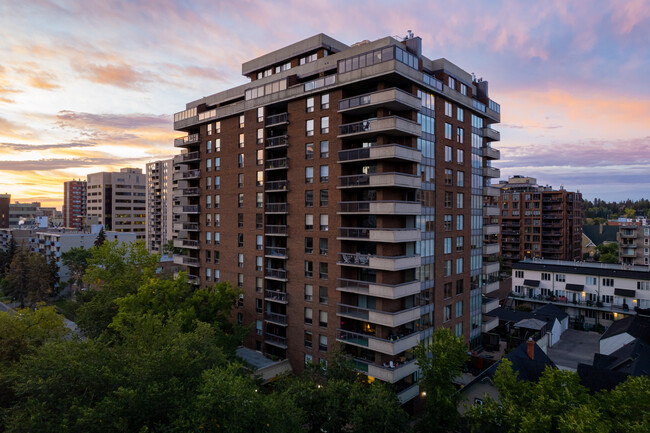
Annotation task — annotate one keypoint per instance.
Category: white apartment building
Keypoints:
(593, 292)
(159, 204)
(118, 201)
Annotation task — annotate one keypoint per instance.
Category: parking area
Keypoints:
(575, 347)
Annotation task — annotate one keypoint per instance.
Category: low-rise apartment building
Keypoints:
(634, 244)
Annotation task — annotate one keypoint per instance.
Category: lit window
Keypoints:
(310, 104)
(309, 127)
(325, 101)
(324, 125)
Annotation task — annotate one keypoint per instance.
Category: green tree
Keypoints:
(441, 363)
(101, 237)
(17, 277)
(39, 279)
(53, 274)
(169, 248)
(629, 212)
(76, 259)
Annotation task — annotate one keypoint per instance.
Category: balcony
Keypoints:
(275, 340)
(275, 274)
(386, 207)
(491, 153)
(409, 393)
(275, 230)
(392, 125)
(276, 185)
(186, 141)
(377, 180)
(276, 164)
(392, 346)
(190, 157)
(490, 267)
(186, 243)
(491, 191)
(387, 151)
(487, 288)
(385, 263)
(489, 304)
(491, 134)
(279, 141)
(392, 99)
(278, 319)
(489, 210)
(491, 229)
(384, 318)
(491, 172)
(193, 279)
(489, 323)
(188, 209)
(276, 296)
(187, 261)
(380, 290)
(188, 192)
(187, 175)
(628, 234)
(276, 252)
(387, 373)
(192, 227)
(277, 119)
(628, 252)
(490, 249)
(391, 235)
(279, 208)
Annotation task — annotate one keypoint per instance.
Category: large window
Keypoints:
(309, 127)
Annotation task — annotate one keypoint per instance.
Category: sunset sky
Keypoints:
(92, 85)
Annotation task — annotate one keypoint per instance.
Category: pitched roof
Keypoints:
(545, 313)
(549, 311)
(608, 371)
(593, 233)
(636, 326)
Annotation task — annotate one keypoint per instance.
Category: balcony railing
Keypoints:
(190, 139)
(281, 140)
(190, 174)
(276, 273)
(275, 164)
(274, 295)
(276, 207)
(280, 319)
(276, 251)
(391, 179)
(276, 185)
(276, 340)
(354, 232)
(275, 229)
(191, 156)
(277, 119)
(191, 191)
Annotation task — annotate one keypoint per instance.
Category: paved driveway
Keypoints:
(575, 347)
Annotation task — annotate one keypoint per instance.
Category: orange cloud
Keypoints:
(115, 75)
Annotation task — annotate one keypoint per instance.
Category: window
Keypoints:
(259, 200)
(448, 109)
(459, 287)
(447, 249)
(208, 274)
(324, 197)
(260, 114)
(460, 114)
(560, 278)
(309, 222)
(460, 135)
(325, 101)
(459, 265)
(310, 104)
(208, 238)
(209, 128)
(447, 313)
(460, 220)
(217, 145)
(217, 220)
(546, 276)
(259, 242)
(324, 125)
(240, 180)
(447, 272)
(324, 222)
(324, 173)
(322, 342)
(322, 295)
(208, 258)
(322, 319)
(308, 358)
(309, 151)
(260, 136)
(240, 260)
(519, 274)
(260, 157)
(460, 156)
(309, 269)
(259, 178)
(259, 263)
(459, 329)
(447, 219)
(217, 164)
(308, 339)
(448, 130)
(463, 89)
(208, 146)
(452, 83)
(217, 127)
(608, 282)
(240, 200)
(241, 121)
(448, 199)
(240, 160)
(258, 309)
(240, 240)
(460, 178)
(217, 274)
(208, 219)
(324, 149)
(309, 292)
(459, 308)
(309, 245)
(449, 175)
(308, 316)
(240, 220)
(217, 201)
(208, 183)
(208, 202)
(241, 141)
(323, 270)
(259, 221)
(323, 247)
(447, 290)
(309, 127)
(309, 198)
(460, 243)
(208, 165)
(448, 154)
(217, 238)
(309, 174)
(460, 200)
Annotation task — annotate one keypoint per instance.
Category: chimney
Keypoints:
(530, 348)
